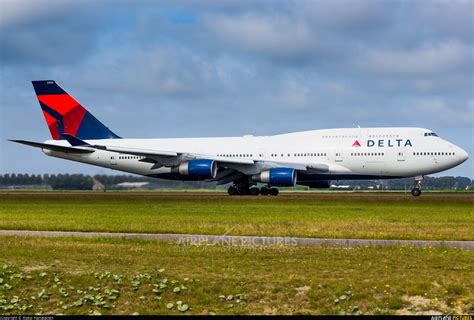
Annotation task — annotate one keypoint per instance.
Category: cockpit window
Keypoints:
(430, 134)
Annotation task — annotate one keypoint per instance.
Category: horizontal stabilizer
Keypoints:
(53, 147)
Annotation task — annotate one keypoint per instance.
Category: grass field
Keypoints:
(118, 276)
(332, 215)
(113, 276)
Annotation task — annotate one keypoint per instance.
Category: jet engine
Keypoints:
(197, 169)
(277, 177)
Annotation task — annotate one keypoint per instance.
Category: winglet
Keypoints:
(74, 141)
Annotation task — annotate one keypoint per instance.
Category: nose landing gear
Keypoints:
(416, 191)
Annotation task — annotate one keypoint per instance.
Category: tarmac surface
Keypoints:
(190, 239)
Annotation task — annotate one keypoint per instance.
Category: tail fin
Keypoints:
(65, 115)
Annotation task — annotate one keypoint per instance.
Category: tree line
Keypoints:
(85, 182)
(429, 183)
(55, 181)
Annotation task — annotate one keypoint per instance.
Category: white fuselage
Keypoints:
(352, 153)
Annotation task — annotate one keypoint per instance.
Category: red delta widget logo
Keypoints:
(385, 143)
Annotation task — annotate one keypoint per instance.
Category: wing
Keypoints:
(159, 157)
(230, 169)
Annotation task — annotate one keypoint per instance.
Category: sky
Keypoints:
(151, 69)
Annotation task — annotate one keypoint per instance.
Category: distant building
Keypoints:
(133, 185)
(97, 185)
(341, 187)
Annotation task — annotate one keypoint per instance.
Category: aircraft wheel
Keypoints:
(264, 191)
(254, 191)
(273, 191)
(232, 191)
(416, 192)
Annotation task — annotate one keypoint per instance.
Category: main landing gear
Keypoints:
(253, 191)
(245, 187)
(269, 191)
(416, 191)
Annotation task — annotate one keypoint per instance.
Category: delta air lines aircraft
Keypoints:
(309, 158)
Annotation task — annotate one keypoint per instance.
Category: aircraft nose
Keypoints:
(462, 155)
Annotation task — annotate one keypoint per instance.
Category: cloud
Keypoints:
(20, 12)
(349, 16)
(161, 71)
(50, 32)
(425, 60)
(447, 19)
(210, 68)
(304, 32)
(273, 36)
(461, 113)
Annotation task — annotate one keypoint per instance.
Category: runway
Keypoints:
(197, 240)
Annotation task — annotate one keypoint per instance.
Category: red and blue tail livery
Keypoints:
(64, 115)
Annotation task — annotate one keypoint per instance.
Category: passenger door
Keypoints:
(401, 155)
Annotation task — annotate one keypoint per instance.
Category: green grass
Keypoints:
(78, 276)
(356, 215)
(116, 276)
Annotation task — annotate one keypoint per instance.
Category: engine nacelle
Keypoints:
(197, 169)
(278, 177)
(316, 184)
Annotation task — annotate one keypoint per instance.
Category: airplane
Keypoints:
(308, 158)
